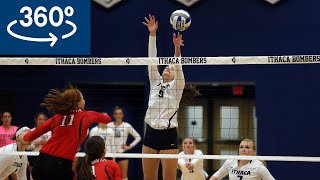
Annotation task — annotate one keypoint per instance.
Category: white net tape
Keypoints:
(301, 59)
(176, 156)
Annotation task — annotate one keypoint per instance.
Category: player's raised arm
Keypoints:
(178, 42)
(152, 26)
(39, 131)
(99, 117)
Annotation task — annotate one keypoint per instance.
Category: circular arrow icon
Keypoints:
(74, 30)
(39, 14)
(53, 39)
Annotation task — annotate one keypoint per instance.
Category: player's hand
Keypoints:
(43, 141)
(189, 166)
(126, 148)
(177, 40)
(152, 24)
(21, 135)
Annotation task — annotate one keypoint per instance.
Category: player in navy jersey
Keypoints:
(69, 128)
(166, 90)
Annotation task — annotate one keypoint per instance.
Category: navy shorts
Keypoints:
(47, 167)
(161, 139)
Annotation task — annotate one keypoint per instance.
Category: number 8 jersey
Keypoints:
(254, 170)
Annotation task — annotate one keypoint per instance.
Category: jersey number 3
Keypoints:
(63, 123)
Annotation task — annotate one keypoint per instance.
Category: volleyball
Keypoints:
(180, 20)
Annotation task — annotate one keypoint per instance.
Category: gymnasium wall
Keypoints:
(287, 96)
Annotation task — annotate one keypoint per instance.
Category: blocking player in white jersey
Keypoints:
(107, 134)
(191, 168)
(37, 144)
(121, 131)
(161, 135)
(14, 164)
(244, 169)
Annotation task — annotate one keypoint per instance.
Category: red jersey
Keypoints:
(100, 167)
(65, 140)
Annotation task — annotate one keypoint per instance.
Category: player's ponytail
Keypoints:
(189, 93)
(95, 148)
(84, 170)
(64, 102)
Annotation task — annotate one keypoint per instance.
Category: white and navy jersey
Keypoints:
(12, 163)
(107, 134)
(121, 134)
(197, 173)
(254, 170)
(35, 145)
(164, 98)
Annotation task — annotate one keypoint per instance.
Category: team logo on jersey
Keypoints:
(15, 164)
(163, 86)
(240, 172)
(118, 133)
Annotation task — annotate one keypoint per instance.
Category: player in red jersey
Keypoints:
(93, 166)
(69, 128)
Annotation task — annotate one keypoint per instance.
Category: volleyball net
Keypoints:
(218, 117)
(64, 61)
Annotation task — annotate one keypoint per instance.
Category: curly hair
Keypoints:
(62, 102)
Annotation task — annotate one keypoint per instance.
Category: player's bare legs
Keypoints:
(124, 168)
(169, 166)
(150, 166)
